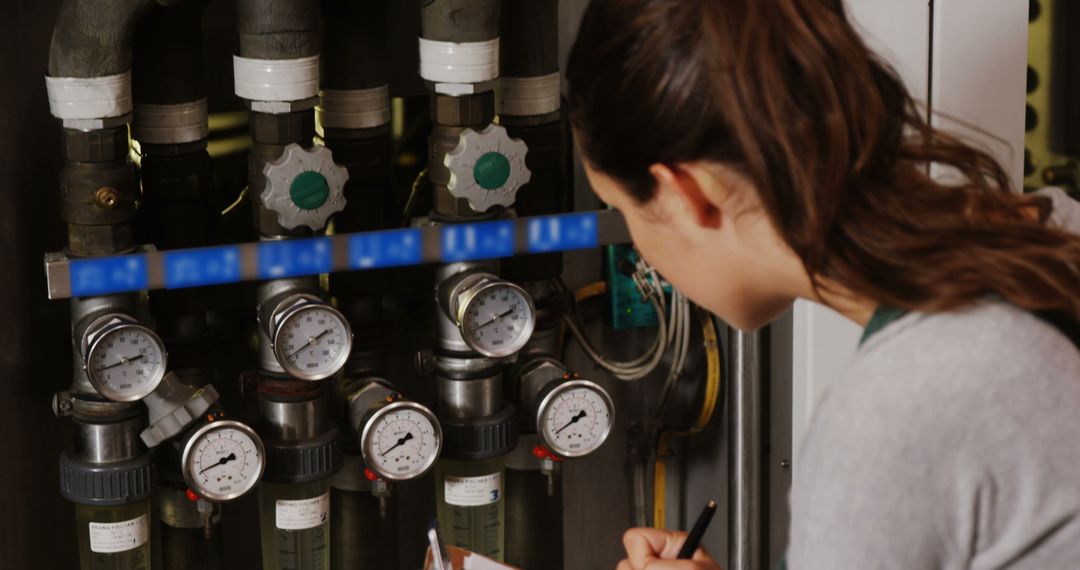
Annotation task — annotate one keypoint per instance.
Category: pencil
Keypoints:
(693, 540)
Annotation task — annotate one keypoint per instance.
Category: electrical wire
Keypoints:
(713, 383)
(237, 202)
(411, 202)
(651, 288)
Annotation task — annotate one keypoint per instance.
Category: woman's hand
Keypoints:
(654, 549)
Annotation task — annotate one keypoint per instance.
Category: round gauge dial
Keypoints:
(496, 319)
(312, 341)
(575, 418)
(401, 441)
(125, 361)
(223, 460)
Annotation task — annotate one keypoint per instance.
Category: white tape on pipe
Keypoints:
(276, 79)
(89, 97)
(449, 62)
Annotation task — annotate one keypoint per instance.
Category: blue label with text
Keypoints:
(484, 240)
(199, 267)
(294, 257)
(562, 233)
(108, 275)
(385, 249)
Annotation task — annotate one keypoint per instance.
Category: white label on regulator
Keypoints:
(107, 538)
(302, 514)
(473, 491)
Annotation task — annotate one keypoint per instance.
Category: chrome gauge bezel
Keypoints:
(549, 399)
(187, 463)
(294, 307)
(382, 412)
(93, 342)
(473, 292)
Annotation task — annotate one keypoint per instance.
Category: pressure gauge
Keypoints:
(495, 317)
(311, 339)
(401, 441)
(574, 418)
(124, 360)
(223, 460)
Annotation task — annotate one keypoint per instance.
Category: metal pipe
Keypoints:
(272, 29)
(744, 449)
(472, 398)
(459, 21)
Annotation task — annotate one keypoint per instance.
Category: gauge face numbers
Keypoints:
(223, 460)
(126, 362)
(576, 418)
(313, 342)
(497, 320)
(402, 442)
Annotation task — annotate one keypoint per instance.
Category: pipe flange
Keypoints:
(354, 108)
(170, 124)
(304, 187)
(304, 460)
(479, 438)
(530, 96)
(110, 484)
(487, 168)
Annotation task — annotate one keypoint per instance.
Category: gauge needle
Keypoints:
(123, 360)
(310, 342)
(399, 443)
(220, 462)
(495, 318)
(580, 415)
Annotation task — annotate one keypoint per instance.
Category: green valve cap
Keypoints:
(492, 171)
(309, 190)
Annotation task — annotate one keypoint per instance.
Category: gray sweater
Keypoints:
(953, 442)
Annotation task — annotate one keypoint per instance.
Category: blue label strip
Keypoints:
(108, 275)
(293, 258)
(201, 267)
(371, 250)
(563, 233)
(385, 249)
(484, 240)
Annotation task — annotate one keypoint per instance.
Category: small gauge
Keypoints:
(125, 361)
(495, 317)
(312, 340)
(401, 441)
(575, 418)
(223, 460)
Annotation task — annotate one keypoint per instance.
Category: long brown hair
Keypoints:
(787, 93)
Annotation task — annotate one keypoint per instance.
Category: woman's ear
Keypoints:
(688, 188)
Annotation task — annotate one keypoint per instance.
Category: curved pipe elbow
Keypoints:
(92, 38)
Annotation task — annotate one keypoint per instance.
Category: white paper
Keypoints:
(302, 514)
(107, 538)
(477, 562)
(473, 491)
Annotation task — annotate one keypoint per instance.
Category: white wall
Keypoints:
(973, 68)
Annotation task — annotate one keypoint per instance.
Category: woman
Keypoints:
(761, 153)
